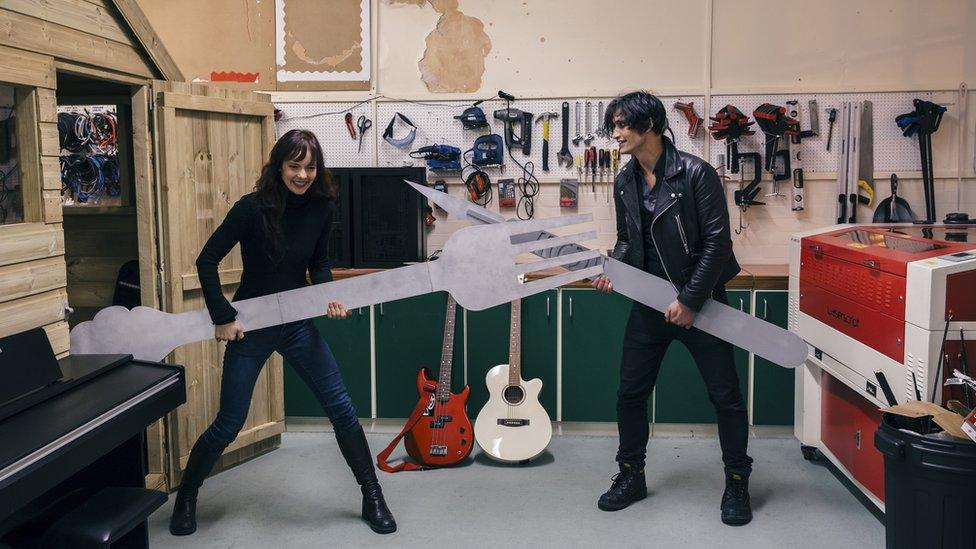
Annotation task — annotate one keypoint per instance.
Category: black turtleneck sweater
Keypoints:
(306, 224)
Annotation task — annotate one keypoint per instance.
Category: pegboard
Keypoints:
(892, 151)
(327, 122)
(436, 125)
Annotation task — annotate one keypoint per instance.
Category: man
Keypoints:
(672, 222)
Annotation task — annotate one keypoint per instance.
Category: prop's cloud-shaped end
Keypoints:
(117, 330)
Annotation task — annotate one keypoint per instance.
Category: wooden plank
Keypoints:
(91, 294)
(58, 335)
(215, 104)
(50, 173)
(31, 312)
(31, 278)
(36, 35)
(47, 105)
(50, 142)
(102, 243)
(227, 277)
(75, 14)
(93, 269)
(28, 139)
(276, 389)
(144, 197)
(26, 68)
(29, 241)
(81, 69)
(156, 452)
(248, 437)
(140, 26)
(52, 207)
(156, 481)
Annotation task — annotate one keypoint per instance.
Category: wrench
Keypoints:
(589, 135)
(600, 132)
(564, 157)
(577, 138)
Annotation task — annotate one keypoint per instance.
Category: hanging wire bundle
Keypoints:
(89, 170)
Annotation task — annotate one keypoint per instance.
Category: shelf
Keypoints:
(98, 210)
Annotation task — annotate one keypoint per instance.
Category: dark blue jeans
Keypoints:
(646, 339)
(304, 349)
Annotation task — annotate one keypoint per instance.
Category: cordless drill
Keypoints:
(511, 117)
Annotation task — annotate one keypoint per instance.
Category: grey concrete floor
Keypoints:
(302, 495)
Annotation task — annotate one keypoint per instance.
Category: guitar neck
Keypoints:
(447, 351)
(515, 344)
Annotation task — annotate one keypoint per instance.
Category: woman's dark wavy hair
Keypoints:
(641, 111)
(270, 188)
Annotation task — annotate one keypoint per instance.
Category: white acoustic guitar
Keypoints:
(513, 426)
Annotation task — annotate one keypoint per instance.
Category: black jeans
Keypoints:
(645, 341)
(302, 346)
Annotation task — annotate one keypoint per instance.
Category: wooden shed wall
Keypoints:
(36, 39)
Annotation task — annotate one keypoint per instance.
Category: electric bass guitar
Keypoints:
(442, 436)
(513, 426)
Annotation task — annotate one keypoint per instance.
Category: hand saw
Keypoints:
(757, 336)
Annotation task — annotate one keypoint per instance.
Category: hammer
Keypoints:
(544, 117)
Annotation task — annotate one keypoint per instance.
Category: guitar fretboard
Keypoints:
(515, 344)
(447, 351)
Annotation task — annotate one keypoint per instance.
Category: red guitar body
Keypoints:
(443, 436)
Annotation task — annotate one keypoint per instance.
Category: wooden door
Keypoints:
(210, 145)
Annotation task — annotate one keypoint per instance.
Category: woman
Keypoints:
(283, 228)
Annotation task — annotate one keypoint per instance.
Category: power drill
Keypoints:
(511, 117)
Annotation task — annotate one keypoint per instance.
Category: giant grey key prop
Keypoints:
(477, 266)
(757, 336)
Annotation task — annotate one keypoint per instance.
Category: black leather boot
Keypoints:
(628, 486)
(201, 461)
(356, 451)
(736, 507)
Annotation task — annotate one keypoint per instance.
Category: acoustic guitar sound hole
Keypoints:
(514, 394)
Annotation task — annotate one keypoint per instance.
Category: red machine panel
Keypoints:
(888, 248)
(855, 281)
(847, 427)
(883, 333)
(961, 296)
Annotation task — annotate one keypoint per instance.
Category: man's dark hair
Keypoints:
(640, 110)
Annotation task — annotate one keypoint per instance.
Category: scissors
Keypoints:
(363, 124)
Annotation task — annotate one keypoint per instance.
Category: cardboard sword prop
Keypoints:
(757, 336)
(477, 266)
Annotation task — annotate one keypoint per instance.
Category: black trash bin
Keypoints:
(930, 486)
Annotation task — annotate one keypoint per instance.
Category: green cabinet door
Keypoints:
(487, 346)
(773, 388)
(349, 340)
(592, 333)
(409, 335)
(680, 395)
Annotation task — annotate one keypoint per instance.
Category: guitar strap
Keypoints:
(418, 412)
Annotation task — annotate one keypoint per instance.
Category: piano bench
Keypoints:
(103, 518)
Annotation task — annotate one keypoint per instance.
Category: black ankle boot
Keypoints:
(201, 461)
(184, 519)
(356, 451)
(628, 486)
(736, 507)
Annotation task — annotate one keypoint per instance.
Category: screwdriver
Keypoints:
(591, 153)
(831, 117)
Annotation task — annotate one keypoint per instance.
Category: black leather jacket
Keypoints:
(690, 227)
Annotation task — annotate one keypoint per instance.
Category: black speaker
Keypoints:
(382, 217)
(340, 242)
